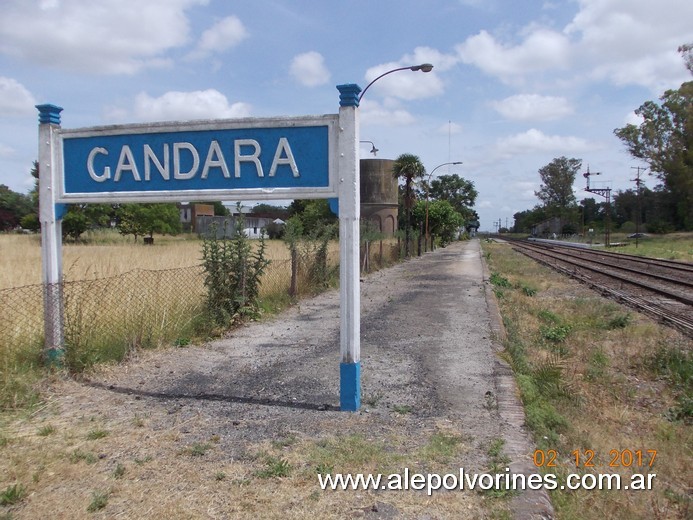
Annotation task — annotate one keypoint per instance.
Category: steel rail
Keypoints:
(569, 253)
(659, 312)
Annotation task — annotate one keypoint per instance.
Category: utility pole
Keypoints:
(638, 181)
(606, 193)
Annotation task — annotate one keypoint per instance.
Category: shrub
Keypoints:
(232, 274)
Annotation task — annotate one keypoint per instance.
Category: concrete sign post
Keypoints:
(50, 216)
(349, 233)
(311, 157)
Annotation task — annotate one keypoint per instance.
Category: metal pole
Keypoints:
(349, 217)
(50, 216)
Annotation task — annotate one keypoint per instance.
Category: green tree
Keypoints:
(443, 220)
(459, 192)
(142, 219)
(664, 140)
(13, 207)
(408, 167)
(556, 190)
(527, 219)
(75, 222)
(268, 209)
(315, 215)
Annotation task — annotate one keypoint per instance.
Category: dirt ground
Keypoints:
(429, 345)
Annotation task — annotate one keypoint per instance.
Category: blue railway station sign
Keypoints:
(309, 157)
(240, 159)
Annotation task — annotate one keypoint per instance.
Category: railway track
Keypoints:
(662, 289)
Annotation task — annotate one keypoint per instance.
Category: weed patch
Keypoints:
(45, 431)
(442, 446)
(99, 500)
(274, 467)
(12, 495)
(402, 409)
(96, 434)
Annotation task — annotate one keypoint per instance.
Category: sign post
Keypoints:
(349, 232)
(50, 216)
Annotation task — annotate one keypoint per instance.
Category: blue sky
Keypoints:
(515, 84)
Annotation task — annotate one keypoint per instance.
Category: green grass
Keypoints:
(199, 449)
(285, 442)
(119, 471)
(676, 366)
(351, 453)
(442, 446)
(86, 456)
(274, 467)
(99, 500)
(96, 434)
(402, 409)
(45, 431)
(12, 495)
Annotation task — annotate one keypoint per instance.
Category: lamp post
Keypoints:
(374, 150)
(424, 67)
(428, 182)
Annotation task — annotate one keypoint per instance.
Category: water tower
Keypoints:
(379, 194)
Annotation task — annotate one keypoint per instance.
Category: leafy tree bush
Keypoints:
(232, 275)
(274, 231)
(75, 222)
(443, 221)
(13, 206)
(143, 219)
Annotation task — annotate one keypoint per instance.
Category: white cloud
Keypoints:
(633, 41)
(99, 37)
(223, 35)
(535, 141)
(15, 99)
(540, 50)
(523, 190)
(533, 107)
(181, 106)
(633, 119)
(309, 69)
(404, 84)
(389, 114)
(439, 60)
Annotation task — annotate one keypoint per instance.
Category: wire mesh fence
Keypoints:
(103, 318)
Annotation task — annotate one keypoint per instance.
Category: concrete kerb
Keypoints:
(529, 504)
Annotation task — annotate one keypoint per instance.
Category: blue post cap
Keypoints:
(49, 114)
(349, 95)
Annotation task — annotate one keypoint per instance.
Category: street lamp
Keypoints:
(374, 150)
(428, 182)
(424, 67)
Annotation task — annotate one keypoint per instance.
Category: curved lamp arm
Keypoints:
(444, 164)
(424, 67)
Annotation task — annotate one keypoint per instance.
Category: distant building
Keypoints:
(549, 227)
(189, 214)
(254, 223)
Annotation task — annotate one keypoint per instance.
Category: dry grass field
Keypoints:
(104, 254)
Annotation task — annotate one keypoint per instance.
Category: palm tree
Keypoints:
(408, 167)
